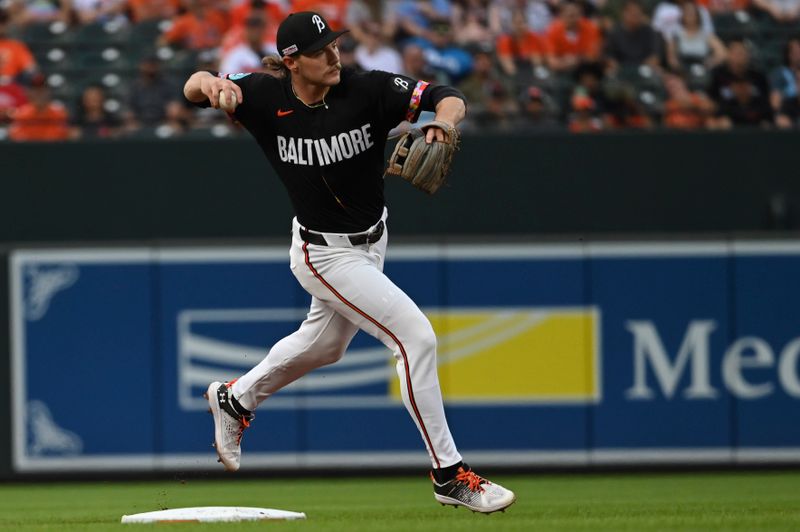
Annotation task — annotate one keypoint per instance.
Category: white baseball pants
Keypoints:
(349, 292)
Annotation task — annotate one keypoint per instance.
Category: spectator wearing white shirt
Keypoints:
(691, 44)
(372, 53)
(246, 56)
(667, 18)
(784, 11)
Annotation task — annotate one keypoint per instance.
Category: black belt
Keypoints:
(356, 240)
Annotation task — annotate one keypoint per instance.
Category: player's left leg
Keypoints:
(321, 339)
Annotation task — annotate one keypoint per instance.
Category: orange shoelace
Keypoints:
(245, 424)
(471, 479)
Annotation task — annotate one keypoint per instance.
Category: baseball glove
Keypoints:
(424, 165)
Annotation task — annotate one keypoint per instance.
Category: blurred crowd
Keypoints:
(108, 68)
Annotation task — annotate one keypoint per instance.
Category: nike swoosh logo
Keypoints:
(281, 112)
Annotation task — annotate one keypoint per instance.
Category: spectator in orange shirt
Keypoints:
(270, 11)
(142, 10)
(584, 117)
(201, 27)
(520, 49)
(724, 6)
(334, 11)
(685, 109)
(12, 96)
(247, 56)
(16, 60)
(41, 119)
(571, 39)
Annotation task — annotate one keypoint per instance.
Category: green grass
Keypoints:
(636, 502)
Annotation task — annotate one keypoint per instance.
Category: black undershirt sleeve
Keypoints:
(433, 95)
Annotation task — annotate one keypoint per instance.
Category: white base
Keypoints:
(212, 514)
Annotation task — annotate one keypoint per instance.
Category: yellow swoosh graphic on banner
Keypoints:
(518, 355)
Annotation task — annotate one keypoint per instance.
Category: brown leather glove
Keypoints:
(424, 165)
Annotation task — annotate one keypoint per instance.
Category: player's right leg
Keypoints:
(321, 339)
(355, 286)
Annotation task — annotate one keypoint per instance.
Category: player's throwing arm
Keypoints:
(221, 93)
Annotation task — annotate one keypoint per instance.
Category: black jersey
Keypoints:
(329, 156)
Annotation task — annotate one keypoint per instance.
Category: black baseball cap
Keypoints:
(304, 32)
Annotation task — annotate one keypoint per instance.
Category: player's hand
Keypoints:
(212, 85)
(435, 133)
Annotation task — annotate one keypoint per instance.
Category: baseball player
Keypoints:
(324, 129)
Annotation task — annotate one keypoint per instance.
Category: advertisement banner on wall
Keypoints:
(548, 355)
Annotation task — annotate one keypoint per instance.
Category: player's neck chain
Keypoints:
(315, 105)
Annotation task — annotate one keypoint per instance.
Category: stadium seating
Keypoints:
(735, 25)
(103, 34)
(109, 53)
(50, 33)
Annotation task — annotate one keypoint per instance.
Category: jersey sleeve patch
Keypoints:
(416, 97)
(401, 84)
(240, 75)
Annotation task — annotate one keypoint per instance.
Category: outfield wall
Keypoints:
(562, 354)
(512, 185)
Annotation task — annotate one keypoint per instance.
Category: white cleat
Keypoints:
(228, 425)
(474, 492)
